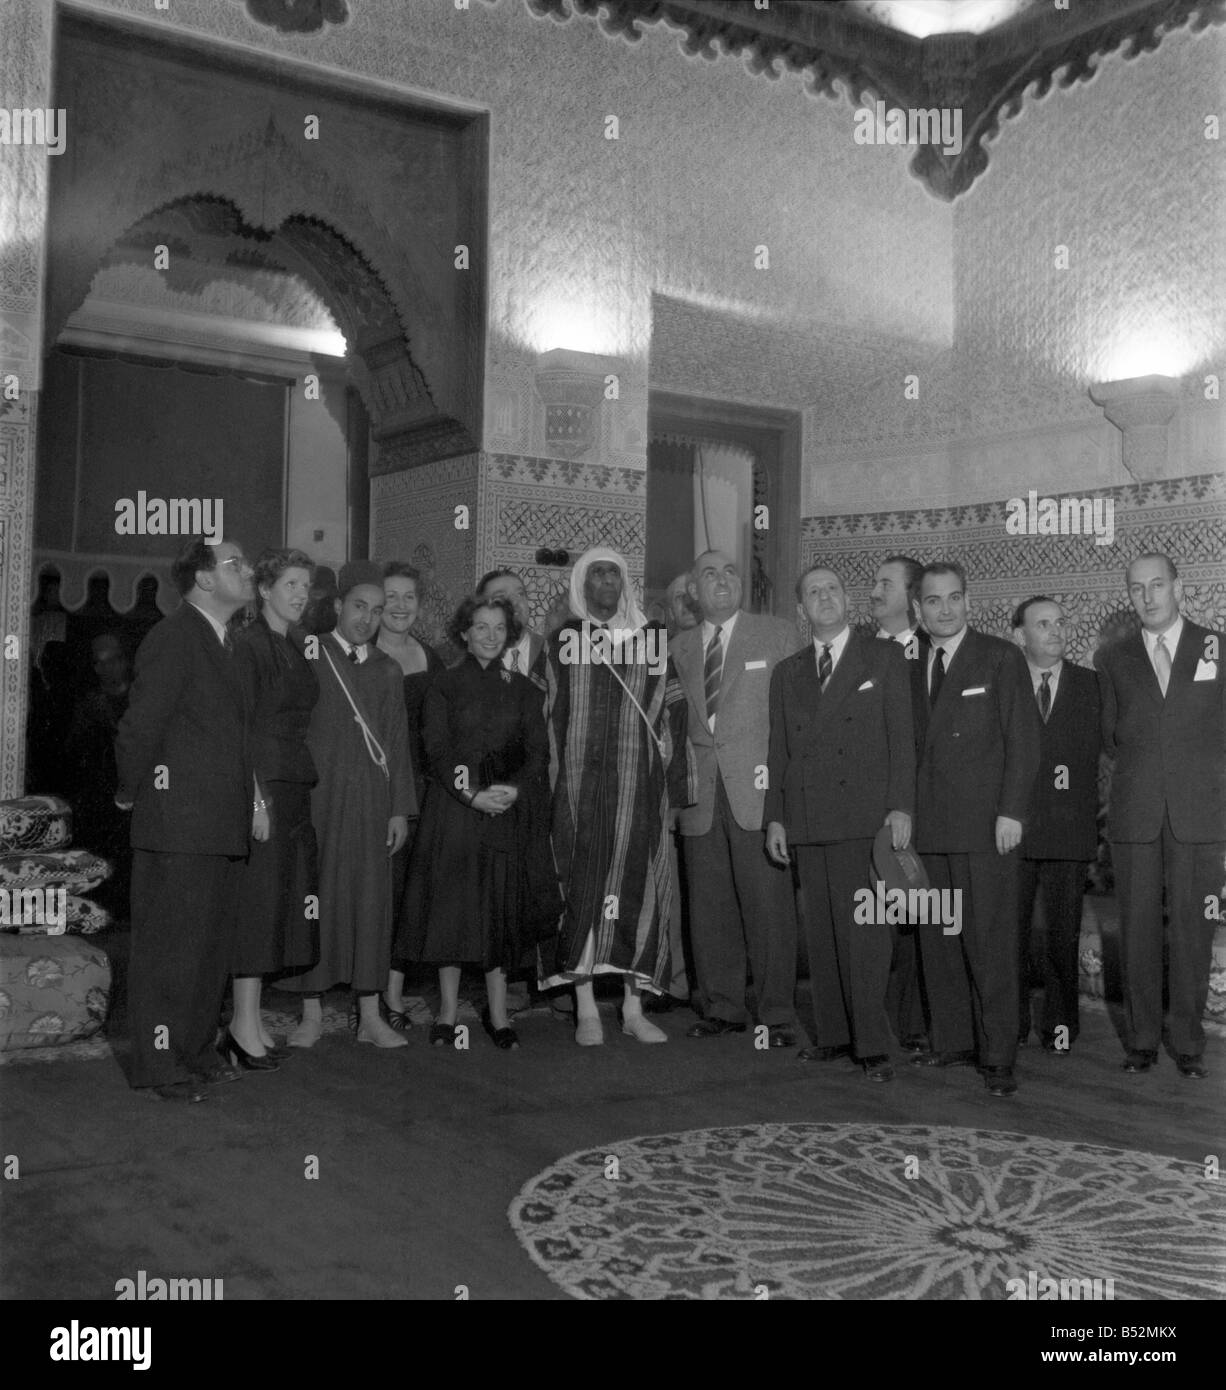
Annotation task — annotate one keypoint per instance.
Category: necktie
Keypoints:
(514, 658)
(712, 672)
(1045, 696)
(1162, 663)
(938, 675)
(824, 665)
(353, 655)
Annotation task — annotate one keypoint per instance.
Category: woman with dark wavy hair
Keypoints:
(275, 935)
(481, 883)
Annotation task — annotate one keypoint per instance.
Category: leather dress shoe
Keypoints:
(1139, 1061)
(1192, 1067)
(999, 1081)
(944, 1059)
(878, 1068)
(824, 1054)
(780, 1035)
(914, 1042)
(713, 1028)
(190, 1092)
(214, 1076)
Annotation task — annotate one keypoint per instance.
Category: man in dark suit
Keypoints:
(977, 742)
(892, 603)
(841, 765)
(1164, 723)
(183, 766)
(742, 907)
(1061, 831)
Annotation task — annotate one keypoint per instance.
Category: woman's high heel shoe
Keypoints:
(238, 1055)
(504, 1038)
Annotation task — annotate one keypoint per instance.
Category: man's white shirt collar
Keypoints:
(1037, 674)
(726, 626)
(218, 628)
(347, 647)
(836, 647)
(950, 646)
(904, 636)
(523, 647)
(1170, 637)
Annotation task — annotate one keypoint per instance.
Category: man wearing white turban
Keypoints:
(618, 759)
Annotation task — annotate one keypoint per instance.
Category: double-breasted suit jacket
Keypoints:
(978, 756)
(840, 759)
(977, 750)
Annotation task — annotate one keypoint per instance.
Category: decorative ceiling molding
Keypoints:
(983, 76)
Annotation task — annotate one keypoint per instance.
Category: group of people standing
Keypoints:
(324, 808)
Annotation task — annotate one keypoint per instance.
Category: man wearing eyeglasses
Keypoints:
(181, 754)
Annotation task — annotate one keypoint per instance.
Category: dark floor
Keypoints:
(420, 1151)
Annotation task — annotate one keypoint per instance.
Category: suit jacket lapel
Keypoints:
(1134, 649)
(688, 656)
(220, 658)
(734, 660)
(843, 679)
(962, 660)
(807, 687)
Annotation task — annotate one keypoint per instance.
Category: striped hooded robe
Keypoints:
(615, 770)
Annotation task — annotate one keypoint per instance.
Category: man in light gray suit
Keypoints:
(742, 908)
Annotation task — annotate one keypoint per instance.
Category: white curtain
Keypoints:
(723, 501)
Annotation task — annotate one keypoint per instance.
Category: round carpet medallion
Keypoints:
(831, 1211)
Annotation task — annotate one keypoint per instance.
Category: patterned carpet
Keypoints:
(834, 1211)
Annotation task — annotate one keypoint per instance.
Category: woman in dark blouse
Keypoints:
(420, 663)
(275, 933)
(481, 884)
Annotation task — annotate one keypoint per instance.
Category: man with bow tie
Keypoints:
(1164, 723)
(842, 765)
(1061, 832)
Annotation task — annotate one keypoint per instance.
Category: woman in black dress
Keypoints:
(420, 663)
(481, 884)
(275, 934)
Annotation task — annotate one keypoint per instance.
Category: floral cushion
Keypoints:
(53, 989)
(81, 917)
(32, 824)
(76, 870)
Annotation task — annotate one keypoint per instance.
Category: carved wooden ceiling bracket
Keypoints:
(984, 75)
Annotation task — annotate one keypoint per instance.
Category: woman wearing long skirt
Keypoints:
(481, 884)
(276, 932)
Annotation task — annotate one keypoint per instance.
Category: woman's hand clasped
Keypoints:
(493, 801)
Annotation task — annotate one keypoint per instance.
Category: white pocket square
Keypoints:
(755, 665)
(868, 685)
(1205, 671)
(976, 690)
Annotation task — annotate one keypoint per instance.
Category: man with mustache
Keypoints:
(360, 807)
(1164, 723)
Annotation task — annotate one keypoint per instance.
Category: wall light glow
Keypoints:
(1147, 352)
(570, 324)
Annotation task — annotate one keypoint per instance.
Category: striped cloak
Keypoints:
(613, 785)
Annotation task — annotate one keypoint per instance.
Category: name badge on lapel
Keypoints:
(1205, 670)
(755, 665)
